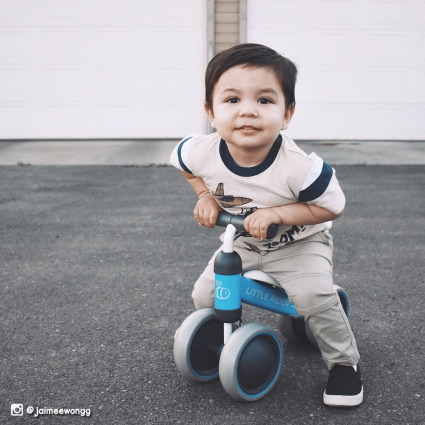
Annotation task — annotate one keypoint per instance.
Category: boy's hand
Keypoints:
(293, 214)
(259, 221)
(206, 211)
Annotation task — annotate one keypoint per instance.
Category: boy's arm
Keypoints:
(206, 210)
(294, 214)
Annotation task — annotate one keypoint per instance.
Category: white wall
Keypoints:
(361, 64)
(101, 68)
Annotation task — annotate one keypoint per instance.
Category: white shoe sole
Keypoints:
(343, 400)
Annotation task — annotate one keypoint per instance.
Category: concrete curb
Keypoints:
(142, 153)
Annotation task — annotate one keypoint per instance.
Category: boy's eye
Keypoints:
(264, 101)
(232, 100)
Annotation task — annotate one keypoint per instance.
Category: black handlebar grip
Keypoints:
(272, 231)
(225, 218)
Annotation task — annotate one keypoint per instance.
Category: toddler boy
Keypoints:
(249, 168)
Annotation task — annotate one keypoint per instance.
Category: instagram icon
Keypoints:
(17, 409)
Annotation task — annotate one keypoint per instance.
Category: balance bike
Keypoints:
(247, 358)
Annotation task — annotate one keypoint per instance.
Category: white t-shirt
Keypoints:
(287, 175)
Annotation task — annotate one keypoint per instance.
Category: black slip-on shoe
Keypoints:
(344, 387)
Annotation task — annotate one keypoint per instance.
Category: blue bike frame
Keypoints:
(261, 295)
(231, 289)
(267, 297)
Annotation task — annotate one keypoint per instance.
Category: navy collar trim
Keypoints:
(230, 163)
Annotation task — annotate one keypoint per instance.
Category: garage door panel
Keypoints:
(412, 114)
(107, 12)
(387, 14)
(420, 16)
(386, 48)
(166, 12)
(394, 85)
(327, 85)
(337, 115)
(75, 12)
(117, 44)
(385, 86)
(15, 46)
(331, 85)
(58, 45)
(421, 85)
(422, 122)
(59, 117)
(181, 118)
(14, 83)
(177, 83)
(330, 121)
(259, 11)
(123, 119)
(18, 12)
(420, 53)
(338, 14)
(58, 83)
(378, 121)
(119, 83)
(333, 47)
(385, 119)
(13, 118)
(166, 45)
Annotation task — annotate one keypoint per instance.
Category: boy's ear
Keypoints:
(210, 114)
(289, 113)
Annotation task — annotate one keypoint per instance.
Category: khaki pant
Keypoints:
(304, 270)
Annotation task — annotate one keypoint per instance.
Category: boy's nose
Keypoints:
(248, 110)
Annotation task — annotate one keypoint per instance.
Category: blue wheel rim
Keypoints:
(258, 365)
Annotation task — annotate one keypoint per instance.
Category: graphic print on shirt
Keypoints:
(230, 201)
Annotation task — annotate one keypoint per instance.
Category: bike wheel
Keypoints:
(292, 328)
(250, 362)
(197, 346)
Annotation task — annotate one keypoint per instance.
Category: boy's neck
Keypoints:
(248, 157)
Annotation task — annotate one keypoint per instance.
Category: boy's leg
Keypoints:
(204, 289)
(304, 270)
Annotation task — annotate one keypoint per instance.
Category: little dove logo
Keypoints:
(221, 292)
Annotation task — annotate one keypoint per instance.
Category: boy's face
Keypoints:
(248, 108)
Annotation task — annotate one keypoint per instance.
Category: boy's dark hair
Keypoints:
(255, 56)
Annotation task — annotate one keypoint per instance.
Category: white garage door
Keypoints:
(101, 68)
(361, 64)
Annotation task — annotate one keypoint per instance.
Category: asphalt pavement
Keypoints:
(97, 266)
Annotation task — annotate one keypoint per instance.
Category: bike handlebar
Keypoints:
(225, 218)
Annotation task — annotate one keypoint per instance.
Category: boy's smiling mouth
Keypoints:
(247, 127)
